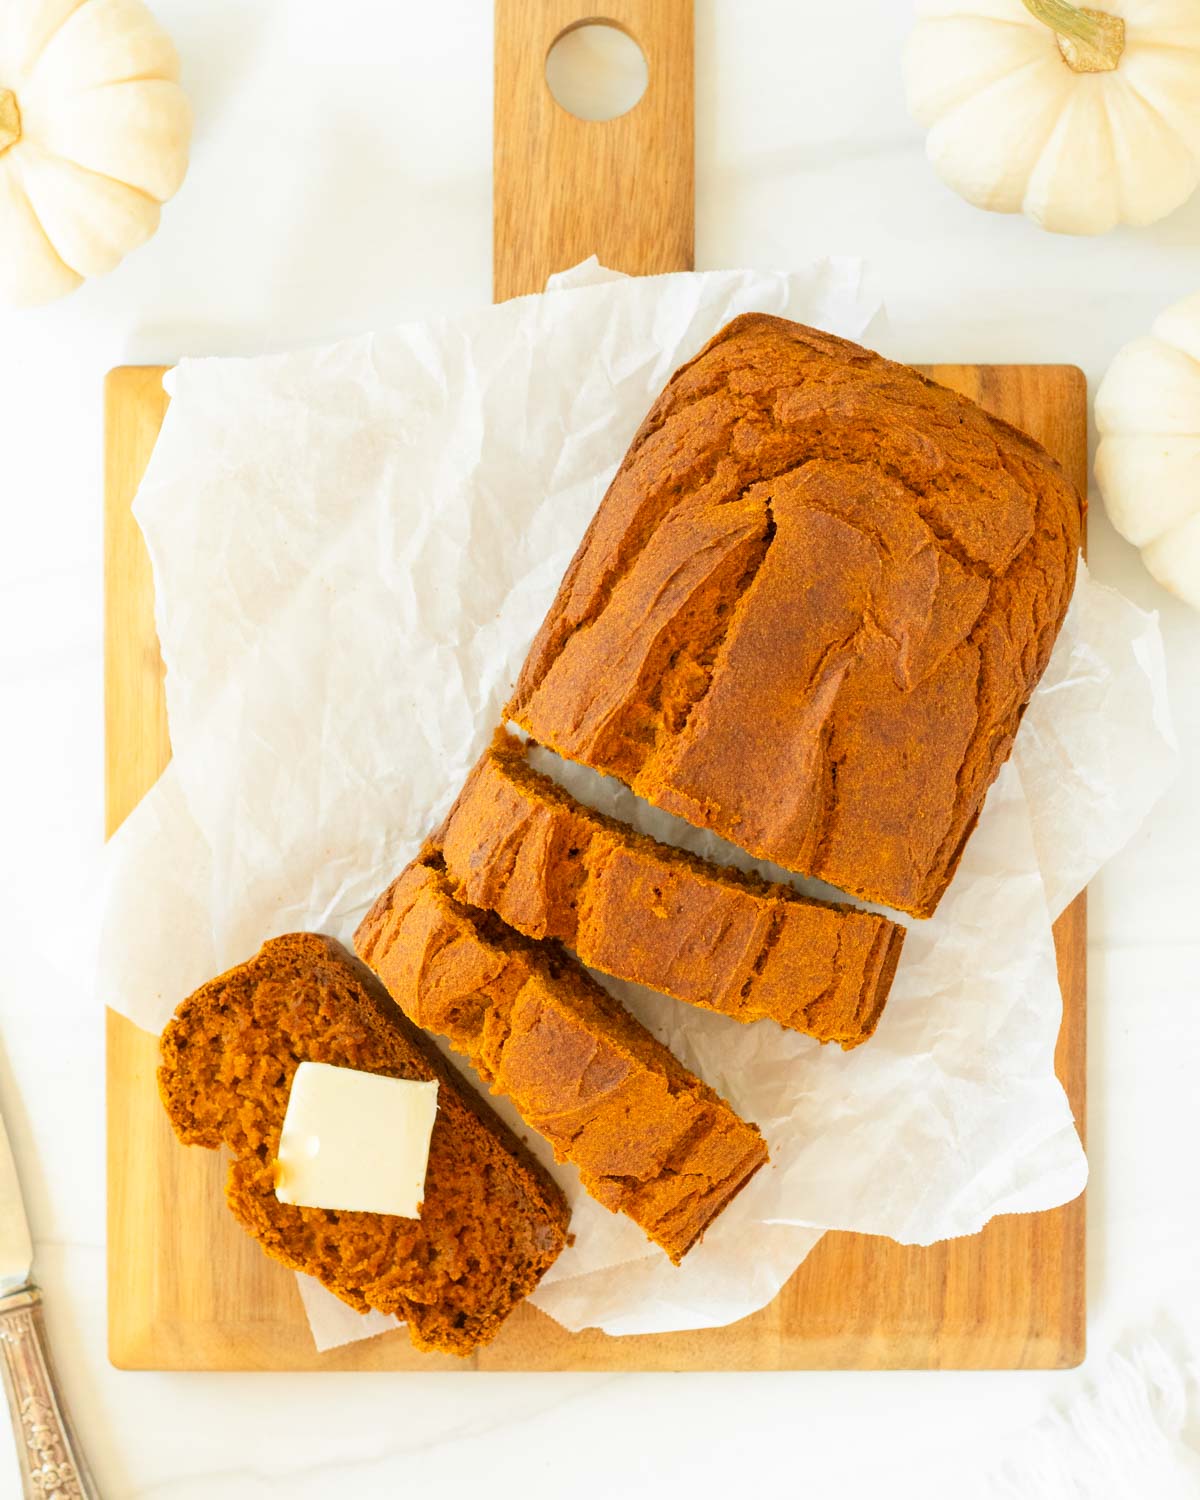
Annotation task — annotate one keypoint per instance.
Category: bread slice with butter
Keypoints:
(492, 1220)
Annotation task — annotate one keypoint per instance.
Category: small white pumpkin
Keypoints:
(1081, 118)
(1148, 462)
(94, 136)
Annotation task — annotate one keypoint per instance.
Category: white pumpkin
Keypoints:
(1148, 462)
(94, 136)
(1081, 118)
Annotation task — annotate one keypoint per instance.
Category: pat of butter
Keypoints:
(355, 1141)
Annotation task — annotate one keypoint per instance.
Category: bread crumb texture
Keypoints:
(517, 844)
(811, 609)
(492, 1221)
(649, 1138)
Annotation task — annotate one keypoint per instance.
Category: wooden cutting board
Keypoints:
(187, 1289)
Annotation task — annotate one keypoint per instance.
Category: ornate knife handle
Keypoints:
(52, 1465)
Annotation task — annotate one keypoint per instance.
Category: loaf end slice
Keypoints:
(649, 1138)
(492, 1222)
(518, 844)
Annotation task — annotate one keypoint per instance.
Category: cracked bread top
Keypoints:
(811, 610)
(649, 1138)
(517, 844)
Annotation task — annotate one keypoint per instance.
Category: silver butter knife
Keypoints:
(52, 1465)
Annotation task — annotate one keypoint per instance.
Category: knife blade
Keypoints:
(16, 1247)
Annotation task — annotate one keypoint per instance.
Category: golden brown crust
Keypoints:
(517, 844)
(811, 610)
(649, 1138)
(493, 1221)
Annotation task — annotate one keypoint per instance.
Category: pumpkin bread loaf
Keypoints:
(517, 844)
(649, 1139)
(811, 609)
(492, 1221)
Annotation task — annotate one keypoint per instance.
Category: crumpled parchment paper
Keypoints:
(353, 546)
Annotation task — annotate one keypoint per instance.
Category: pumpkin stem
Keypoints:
(10, 120)
(1091, 41)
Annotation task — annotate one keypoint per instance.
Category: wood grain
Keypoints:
(566, 188)
(135, 707)
(188, 1290)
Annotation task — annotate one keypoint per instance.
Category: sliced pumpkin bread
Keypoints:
(649, 1138)
(517, 844)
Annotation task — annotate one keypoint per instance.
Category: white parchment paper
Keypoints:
(353, 546)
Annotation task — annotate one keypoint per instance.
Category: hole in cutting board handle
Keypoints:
(596, 71)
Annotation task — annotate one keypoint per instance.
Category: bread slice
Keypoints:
(649, 1138)
(811, 609)
(493, 1221)
(517, 844)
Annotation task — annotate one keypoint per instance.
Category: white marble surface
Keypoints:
(341, 181)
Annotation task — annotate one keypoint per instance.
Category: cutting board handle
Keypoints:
(565, 188)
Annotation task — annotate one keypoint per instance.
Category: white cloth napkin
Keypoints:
(1132, 1436)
